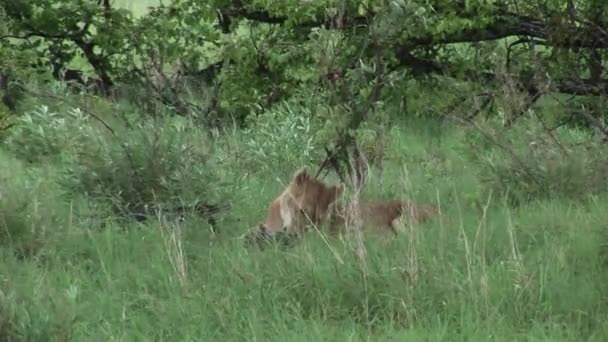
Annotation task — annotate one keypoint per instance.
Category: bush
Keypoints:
(161, 164)
(135, 169)
(532, 165)
(281, 139)
(42, 134)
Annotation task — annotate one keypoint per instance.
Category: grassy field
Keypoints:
(71, 270)
(522, 254)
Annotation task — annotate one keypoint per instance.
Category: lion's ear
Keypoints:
(301, 176)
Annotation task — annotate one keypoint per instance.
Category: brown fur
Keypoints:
(304, 200)
(384, 216)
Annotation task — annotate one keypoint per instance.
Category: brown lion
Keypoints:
(383, 216)
(304, 200)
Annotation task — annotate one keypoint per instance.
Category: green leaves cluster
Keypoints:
(228, 59)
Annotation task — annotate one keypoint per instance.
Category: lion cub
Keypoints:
(304, 200)
(384, 216)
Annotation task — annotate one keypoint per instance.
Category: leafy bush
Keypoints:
(281, 139)
(134, 169)
(152, 165)
(44, 134)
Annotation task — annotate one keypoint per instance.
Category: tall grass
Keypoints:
(492, 271)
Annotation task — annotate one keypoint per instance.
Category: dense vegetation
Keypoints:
(139, 142)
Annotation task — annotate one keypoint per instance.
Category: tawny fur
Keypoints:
(382, 216)
(305, 200)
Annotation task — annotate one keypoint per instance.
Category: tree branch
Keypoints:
(505, 25)
(238, 10)
(572, 86)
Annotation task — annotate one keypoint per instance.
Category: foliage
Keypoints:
(154, 165)
(31, 213)
(145, 166)
(245, 57)
(63, 30)
(213, 101)
(168, 53)
(154, 52)
(280, 138)
(42, 134)
(446, 280)
(527, 164)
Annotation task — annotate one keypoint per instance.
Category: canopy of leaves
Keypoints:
(241, 57)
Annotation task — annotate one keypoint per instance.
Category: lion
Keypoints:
(304, 200)
(384, 215)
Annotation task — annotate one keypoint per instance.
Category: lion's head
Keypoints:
(312, 196)
(304, 200)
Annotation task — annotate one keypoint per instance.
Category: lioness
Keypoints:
(382, 215)
(304, 200)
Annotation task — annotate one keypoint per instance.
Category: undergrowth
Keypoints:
(492, 271)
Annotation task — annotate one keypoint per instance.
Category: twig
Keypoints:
(497, 143)
(564, 122)
(550, 134)
(592, 120)
(518, 42)
(7, 127)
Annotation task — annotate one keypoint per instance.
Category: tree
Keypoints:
(340, 54)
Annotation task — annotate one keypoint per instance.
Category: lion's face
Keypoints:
(304, 200)
(312, 196)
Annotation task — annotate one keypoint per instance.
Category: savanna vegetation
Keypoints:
(140, 139)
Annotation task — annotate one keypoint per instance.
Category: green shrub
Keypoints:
(43, 134)
(134, 169)
(530, 165)
(282, 138)
(152, 165)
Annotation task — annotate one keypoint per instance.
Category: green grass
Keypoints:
(492, 272)
(499, 268)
